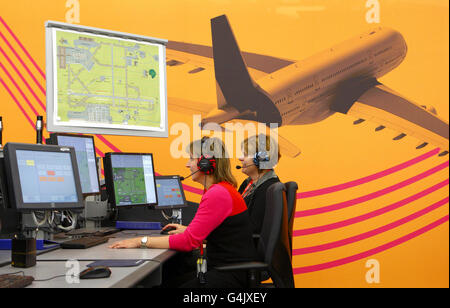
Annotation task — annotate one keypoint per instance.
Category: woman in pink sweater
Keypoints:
(221, 219)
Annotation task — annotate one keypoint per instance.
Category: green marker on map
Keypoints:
(152, 73)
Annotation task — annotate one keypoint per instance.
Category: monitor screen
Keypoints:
(170, 192)
(86, 159)
(130, 179)
(42, 177)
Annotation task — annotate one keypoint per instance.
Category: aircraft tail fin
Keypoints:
(237, 92)
(233, 79)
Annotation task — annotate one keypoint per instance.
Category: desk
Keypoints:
(5, 257)
(121, 277)
(53, 263)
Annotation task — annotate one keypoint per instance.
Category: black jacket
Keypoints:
(256, 203)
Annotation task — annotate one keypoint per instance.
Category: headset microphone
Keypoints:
(182, 178)
(240, 167)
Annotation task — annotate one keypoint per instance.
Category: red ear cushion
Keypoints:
(206, 164)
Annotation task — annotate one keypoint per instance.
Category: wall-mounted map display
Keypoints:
(105, 82)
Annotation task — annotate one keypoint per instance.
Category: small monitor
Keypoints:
(170, 192)
(42, 177)
(130, 179)
(87, 165)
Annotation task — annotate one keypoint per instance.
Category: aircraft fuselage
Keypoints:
(302, 92)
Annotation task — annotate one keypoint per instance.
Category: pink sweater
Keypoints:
(216, 205)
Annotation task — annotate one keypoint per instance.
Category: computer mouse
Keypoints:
(95, 272)
(167, 230)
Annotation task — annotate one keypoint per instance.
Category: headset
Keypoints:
(257, 159)
(260, 157)
(206, 163)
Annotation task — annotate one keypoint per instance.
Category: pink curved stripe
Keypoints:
(378, 175)
(375, 213)
(368, 253)
(22, 47)
(19, 89)
(371, 196)
(109, 144)
(17, 102)
(22, 78)
(366, 235)
(100, 153)
(23, 64)
(193, 189)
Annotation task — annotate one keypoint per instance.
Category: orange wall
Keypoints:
(411, 251)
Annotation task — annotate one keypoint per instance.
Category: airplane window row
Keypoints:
(304, 89)
(298, 108)
(280, 100)
(393, 59)
(324, 94)
(382, 51)
(344, 69)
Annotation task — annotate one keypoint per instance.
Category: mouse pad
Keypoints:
(116, 263)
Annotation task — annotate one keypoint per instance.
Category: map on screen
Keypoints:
(107, 82)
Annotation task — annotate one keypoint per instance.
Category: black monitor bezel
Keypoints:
(54, 141)
(107, 168)
(3, 184)
(171, 207)
(13, 178)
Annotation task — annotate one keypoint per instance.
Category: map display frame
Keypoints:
(105, 82)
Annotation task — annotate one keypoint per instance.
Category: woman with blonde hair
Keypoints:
(260, 155)
(221, 219)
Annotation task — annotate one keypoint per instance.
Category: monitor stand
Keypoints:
(176, 216)
(95, 211)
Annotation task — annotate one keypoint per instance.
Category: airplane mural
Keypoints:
(343, 78)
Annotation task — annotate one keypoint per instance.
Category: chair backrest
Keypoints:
(273, 243)
(291, 197)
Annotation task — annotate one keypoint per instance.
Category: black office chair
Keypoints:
(274, 252)
(291, 196)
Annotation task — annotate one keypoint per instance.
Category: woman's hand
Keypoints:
(130, 243)
(178, 228)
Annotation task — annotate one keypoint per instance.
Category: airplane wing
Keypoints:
(262, 63)
(376, 102)
(191, 66)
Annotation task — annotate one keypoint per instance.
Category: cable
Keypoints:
(166, 217)
(22, 272)
(39, 223)
(39, 280)
(52, 216)
(72, 219)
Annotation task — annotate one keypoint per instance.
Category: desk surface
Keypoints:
(53, 263)
(121, 277)
(5, 256)
(102, 252)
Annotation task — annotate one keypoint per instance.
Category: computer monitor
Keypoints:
(130, 179)
(86, 159)
(42, 177)
(170, 193)
(4, 203)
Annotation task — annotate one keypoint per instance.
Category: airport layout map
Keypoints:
(107, 82)
(129, 185)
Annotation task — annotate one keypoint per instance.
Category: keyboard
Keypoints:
(98, 232)
(15, 281)
(84, 242)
